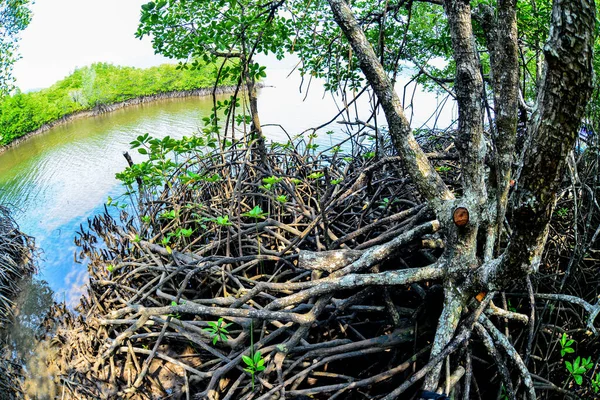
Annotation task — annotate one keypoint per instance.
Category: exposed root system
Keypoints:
(300, 276)
(16, 263)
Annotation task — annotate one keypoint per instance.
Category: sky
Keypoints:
(65, 34)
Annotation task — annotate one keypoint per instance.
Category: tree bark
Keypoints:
(429, 183)
(565, 91)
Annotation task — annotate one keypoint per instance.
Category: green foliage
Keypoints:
(565, 345)
(15, 16)
(89, 87)
(207, 30)
(223, 220)
(218, 330)
(578, 368)
(256, 213)
(316, 175)
(282, 198)
(596, 383)
(254, 364)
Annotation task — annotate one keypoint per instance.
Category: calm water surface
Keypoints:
(57, 180)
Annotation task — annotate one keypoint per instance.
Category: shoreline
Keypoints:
(108, 108)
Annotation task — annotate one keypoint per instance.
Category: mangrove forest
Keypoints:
(372, 256)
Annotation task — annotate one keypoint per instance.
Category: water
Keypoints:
(57, 180)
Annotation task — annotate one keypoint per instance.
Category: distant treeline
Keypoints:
(88, 87)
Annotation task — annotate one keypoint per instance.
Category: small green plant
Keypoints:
(510, 306)
(110, 268)
(562, 212)
(282, 198)
(443, 168)
(596, 383)
(254, 364)
(316, 175)
(186, 233)
(211, 179)
(578, 368)
(272, 180)
(296, 181)
(369, 155)
(256, 213)
(218, 330)
(223, 221)
(504, 393)
(176, 315)
(137, 238)
(172, 214)
(565, 345)
(384, 203)
(146, 219)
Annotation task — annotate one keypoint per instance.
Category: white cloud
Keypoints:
(76, 282)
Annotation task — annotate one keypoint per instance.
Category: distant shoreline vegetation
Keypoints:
(92, 88)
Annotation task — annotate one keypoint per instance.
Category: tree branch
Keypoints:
(425, 177)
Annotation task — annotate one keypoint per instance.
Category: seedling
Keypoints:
(254, 364)
(596, 383)
(369, 155)
(316, 175)
(272, 180)
(565, 344)
(282, 199)
(184, 232)
(172, 214)
(223, 221)
(177, 315)
(218, 330)
(578, 368)
(256, 213)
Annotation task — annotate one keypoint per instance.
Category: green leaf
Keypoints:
(256, 357)
(578, 379)
(247, 360)
(569, 366)
(567, 350)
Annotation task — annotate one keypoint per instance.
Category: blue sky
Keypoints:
(65, 34)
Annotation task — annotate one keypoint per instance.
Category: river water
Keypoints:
(57, 180)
